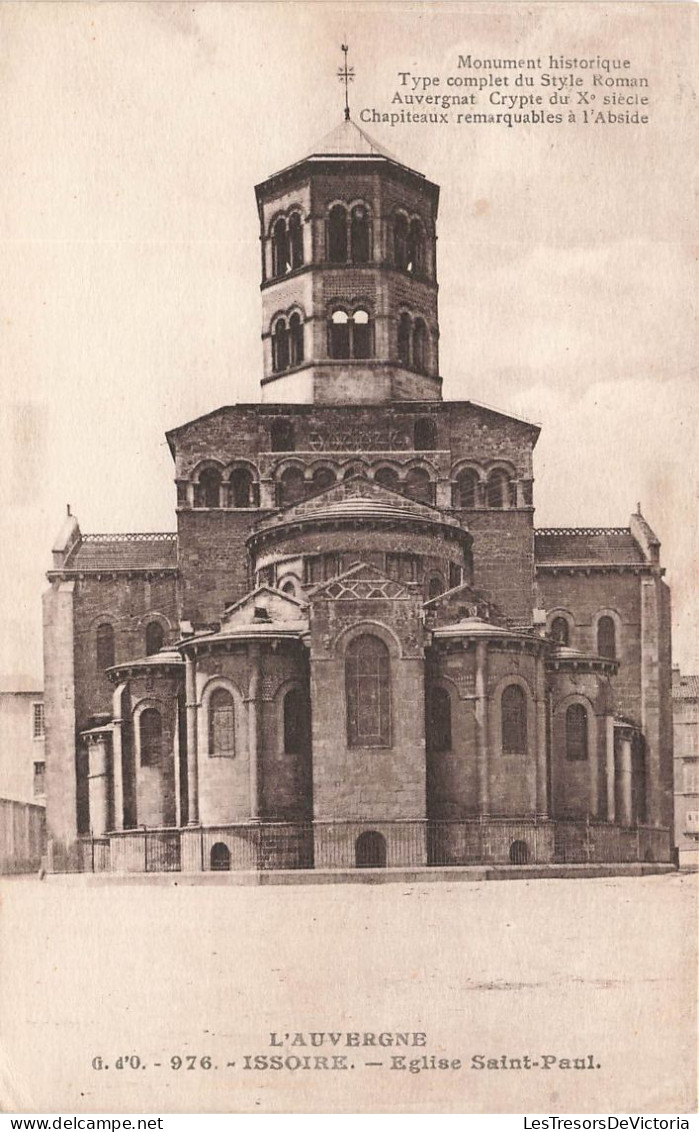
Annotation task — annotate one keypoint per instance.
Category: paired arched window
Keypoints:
(368, 692)
(350, 336)
(606, 638)
(412, 342)
(242, 489)
(221, 724)
(514, 720)
(418, 485)
(349, 234)
(387, 477)
(297, 722)
(287, 244)
(408, 244)
(497, 490)
(424, 434)
(467, 488)
(155, 637)
(104, 642)
(560, 631)
(287, 343)
(291, 487)
(576, 733)
(438, 720)
(150, 732)
(207, 492)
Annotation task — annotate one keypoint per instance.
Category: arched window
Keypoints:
(404, 335)
(155, 637)
(337, 234)
(282, 435)
(241, 488)
(387, 477)
(280, 248)
(514, 720)
(104, 640)
(424, 434)
(606, 638)
(400, 241)
(419, 345)
(360, 234)
(209, 488)
(418, 485)
(280, 346)
(368, 691)
(150, 730)
(467, 488)
(576, 733)
(352, 472)
(295, 339)
(297, 722)
(339, 335)
(497, 489)
(295, 240)
(221, 724)
(416, 248)
(323, 478)
(435, 586)
(438, 720)
(560, 632)
(291, 487)
(361, 335)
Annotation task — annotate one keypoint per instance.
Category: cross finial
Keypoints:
(346, 75)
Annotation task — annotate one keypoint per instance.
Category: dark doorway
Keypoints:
(220, 858)
(519, 853)
(370, 850)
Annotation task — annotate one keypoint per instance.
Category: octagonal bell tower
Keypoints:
(349, 281)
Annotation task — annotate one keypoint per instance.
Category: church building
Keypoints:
(356, 650)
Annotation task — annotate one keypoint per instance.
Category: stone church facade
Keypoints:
(357, 650)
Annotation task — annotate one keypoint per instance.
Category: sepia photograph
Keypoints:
(349, 494)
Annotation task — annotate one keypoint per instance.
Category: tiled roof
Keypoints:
(685, 688)
(605, 545)
(155, 551)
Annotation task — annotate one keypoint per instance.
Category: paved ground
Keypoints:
(551, 968)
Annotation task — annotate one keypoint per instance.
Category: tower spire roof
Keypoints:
(348, 140)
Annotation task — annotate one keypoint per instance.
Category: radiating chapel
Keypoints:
(356, 650)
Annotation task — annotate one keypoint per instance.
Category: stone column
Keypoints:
(611, 779)
(117, 757)
(253, 701)
(98, 779)
(542, 793)
(482, 753)
(625, 816)
(593, 762)
(192, 708)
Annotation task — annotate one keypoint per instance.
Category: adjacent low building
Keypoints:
(685, 721)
